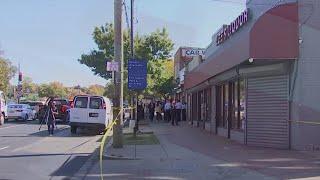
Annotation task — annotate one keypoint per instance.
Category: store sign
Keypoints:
(192, 52)
(228, 30)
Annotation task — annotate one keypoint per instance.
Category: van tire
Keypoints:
(73, 129)
(1, 119)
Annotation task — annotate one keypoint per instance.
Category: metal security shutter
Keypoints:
(267, 112)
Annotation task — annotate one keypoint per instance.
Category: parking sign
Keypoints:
(137, 74)
(113, 66)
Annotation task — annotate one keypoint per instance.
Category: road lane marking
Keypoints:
(10, 126)
(4, 148)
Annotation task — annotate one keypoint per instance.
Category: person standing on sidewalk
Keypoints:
(173, 114)
(151, 111)
(184, 111)
(167, 111)
(158, 111)
(51, 120)
(178, 111)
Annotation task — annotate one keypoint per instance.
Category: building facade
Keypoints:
(259, 82)
(182, 57)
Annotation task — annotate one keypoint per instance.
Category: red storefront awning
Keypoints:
(275, 35)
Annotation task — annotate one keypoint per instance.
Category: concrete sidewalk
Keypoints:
(282, 164)
(191, 153)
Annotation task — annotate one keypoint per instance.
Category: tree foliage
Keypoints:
(96, 90)
(165, 82)
(156, 48)
(7, 72)
(28, 86)
(55, 89)
(109, 90)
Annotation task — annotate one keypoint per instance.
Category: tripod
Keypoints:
(46, 116)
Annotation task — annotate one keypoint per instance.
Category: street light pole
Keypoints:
(131, 31)
(118, 55)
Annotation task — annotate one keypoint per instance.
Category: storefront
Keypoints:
(200, 111)
(246, 87)
(182, 57)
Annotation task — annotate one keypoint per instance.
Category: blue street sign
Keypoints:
(137, 74)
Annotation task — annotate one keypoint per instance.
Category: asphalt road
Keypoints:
(27, 153)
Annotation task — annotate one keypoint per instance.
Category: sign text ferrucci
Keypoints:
(228, 30)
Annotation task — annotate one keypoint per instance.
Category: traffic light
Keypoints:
(20, 76)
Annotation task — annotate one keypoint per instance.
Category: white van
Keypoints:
(92, 112)
(3, 108)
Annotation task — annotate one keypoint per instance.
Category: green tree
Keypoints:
(28, 86)
(164, 83)
(55, 89)
(155, 48)
(7, 72)
(96, 90)
(109, 90)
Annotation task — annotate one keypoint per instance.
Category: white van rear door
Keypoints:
(97, 110)
(80, 111)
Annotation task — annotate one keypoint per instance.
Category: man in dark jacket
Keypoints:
(151, 108)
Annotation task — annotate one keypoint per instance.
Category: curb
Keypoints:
(115, 157)
(88, 165)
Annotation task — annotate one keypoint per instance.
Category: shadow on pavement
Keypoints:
(40, 155)
(22, 122)
(31, 122)
(70, 166)
(60, 132)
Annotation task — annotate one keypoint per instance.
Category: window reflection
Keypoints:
(231, 104)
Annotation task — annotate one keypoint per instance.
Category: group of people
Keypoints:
(174, 111)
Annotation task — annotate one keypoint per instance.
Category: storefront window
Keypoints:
(219, 107)
(208, 104)
(242, 104)
(231, 99)
(226, 104)
(235, 113)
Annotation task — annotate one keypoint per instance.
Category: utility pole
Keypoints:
(136, 128)
(132, 53)
(118, 55)
(131, 31)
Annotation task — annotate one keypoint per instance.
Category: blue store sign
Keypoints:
(137, 74)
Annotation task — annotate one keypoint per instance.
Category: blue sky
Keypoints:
(48, 36)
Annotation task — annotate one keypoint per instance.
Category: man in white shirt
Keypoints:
(178, 111)
(167, 109)
(184, 111)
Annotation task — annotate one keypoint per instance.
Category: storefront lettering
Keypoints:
(228, 30)
(192, 52)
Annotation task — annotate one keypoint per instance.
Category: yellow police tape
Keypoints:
(130, 107)
(104, 138)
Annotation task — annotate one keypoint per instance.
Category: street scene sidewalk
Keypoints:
(185, 152)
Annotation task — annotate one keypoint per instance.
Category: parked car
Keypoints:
(3, 108)
(35, 105)
(20, 111)
(92, 112)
